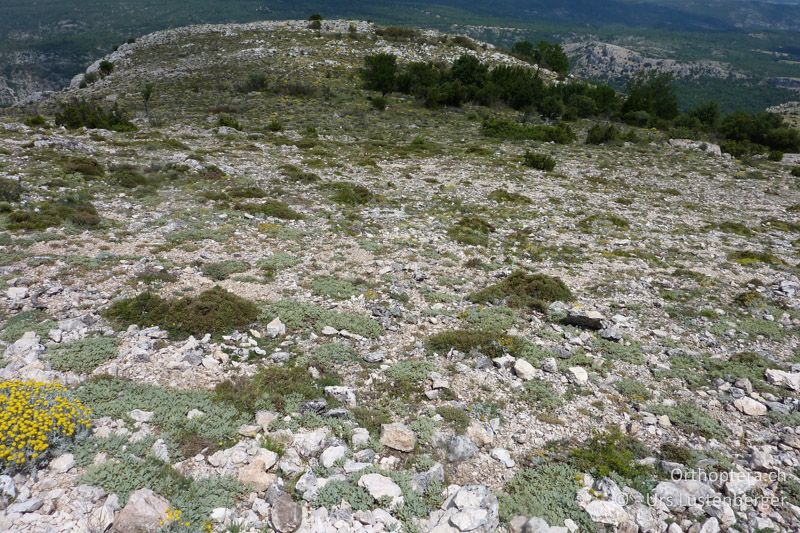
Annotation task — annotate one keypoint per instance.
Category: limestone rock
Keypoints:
(143, 513)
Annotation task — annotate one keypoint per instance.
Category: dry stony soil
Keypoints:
(655, 388)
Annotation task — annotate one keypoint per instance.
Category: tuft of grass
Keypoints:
(270, 208)
(504, 196)
(347, 193)
(633, 389)
(753, 257)
(471, 230)
(224, 269)
(215, 311)
(540, 395)
(524, 290)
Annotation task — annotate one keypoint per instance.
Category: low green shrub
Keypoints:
(115, 398)
(49, 214)
(83, 114)
(796, 171)
(497, 319)
(227, 121)
(541, 395)
(271, 208)
(346, 193)
(10, 190)
(754, 257)
(215, 311)
(539, 161)
(504, 196)
(514, 131)
(276, 262)
(194, 498)
(35, 121)
(456, 418)
(490, 343)
(691, 419)
(371, 419)
(33, 320)
(524, 290)
(82, 356)
(547, 490)
(281, 388)
(296, 174)
(222, 270)
(471, 230)
(602, 134)
(335, 288)
(616, 455)
(633, 389)
(300, 315)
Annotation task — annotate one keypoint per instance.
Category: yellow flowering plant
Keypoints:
(35, 417)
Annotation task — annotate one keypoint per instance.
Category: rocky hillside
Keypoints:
(604, 61)
(282, 303)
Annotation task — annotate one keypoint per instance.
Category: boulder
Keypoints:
(144, 513)
(286, 515)
(380, 486)
(398, 437)
(749, 406)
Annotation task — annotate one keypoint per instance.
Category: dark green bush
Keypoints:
(347, 193)
(379, 72)
(396, 33)
(602, 133)
(522, 289)
(539, 161)
(10, 190)
(507, 130)
(796, 171)
(613, 454)
(227, 121)
(54, 213)
(653, 94)
(490, 343)
(35, 121)
(106, 67)
(271, 208)
(214, 311)
(379, 102)
(83, 114)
